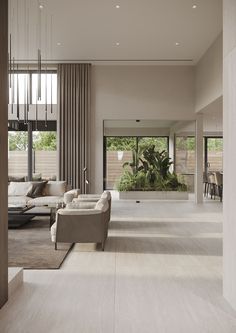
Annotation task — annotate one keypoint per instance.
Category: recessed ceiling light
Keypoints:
(117, 6)
(41, 6)
(194, 6)
(177, 44)
(58, 44)
(117, 43)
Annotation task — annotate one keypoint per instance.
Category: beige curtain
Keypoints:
(73, 122)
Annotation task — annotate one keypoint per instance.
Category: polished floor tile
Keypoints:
(161, 272)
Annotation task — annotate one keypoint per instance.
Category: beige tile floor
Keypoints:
(161, 272)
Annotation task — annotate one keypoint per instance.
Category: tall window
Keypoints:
(119, 150)
(45, 154)
(17, 153)
(213, 154)
(48, 88)
(42, 159)
(185, 160)
(22, 81)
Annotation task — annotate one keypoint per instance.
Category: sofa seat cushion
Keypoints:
(19, 200)
(46, 201)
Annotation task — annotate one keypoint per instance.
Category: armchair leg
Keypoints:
(103, 246)
(55, 245)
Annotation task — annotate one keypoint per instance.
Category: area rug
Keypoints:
(30, 246)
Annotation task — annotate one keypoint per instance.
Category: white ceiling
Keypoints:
(146, 30)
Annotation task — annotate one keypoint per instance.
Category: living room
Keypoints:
(117, 91)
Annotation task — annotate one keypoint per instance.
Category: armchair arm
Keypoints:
(70, 195)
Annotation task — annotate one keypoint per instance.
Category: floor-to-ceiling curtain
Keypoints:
(73, 124)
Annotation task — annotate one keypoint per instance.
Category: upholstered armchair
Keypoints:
(74, 225)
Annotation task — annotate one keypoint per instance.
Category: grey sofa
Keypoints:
(82, 225)
(52, 193)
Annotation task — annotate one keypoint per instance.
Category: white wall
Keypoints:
(209, 71)
(136, 92)
(229, 114)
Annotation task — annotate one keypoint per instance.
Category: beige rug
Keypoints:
(30, 246)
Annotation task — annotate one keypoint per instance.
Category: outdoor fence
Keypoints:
(44, 163)
(184, 166)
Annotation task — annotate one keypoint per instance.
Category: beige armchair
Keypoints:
(75, 225)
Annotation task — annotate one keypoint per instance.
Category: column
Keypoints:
(4, 152)
(199, 160)
(229, 120)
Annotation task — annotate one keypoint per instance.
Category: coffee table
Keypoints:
(17, 216)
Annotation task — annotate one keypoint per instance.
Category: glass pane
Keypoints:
(185, 160)
(17, 154)
(23, 81)
(160, 143)
(48, 88)
(45, 154)
(215, 154)
(119, 150)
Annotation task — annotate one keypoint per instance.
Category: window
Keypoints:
(48, 88)
(21, 81)
(119, 150)
(45, 154)
(185, 160)
(41, 159)
(17, 153)
(214, 154)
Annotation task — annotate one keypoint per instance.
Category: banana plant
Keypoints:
(135, 163)
(158, 162)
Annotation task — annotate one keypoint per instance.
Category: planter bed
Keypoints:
(153, 195)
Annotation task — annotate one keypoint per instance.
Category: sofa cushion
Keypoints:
(19, 188)
(46, 201)
(37, 189)
(18, 200)
(55, 188)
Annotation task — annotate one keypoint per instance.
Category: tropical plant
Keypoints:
(136, 159)
(149, 170)
(158, 161)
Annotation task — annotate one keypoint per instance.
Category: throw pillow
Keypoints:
(55, 188)
(37, 177)
(19, 188)
(37, 189)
